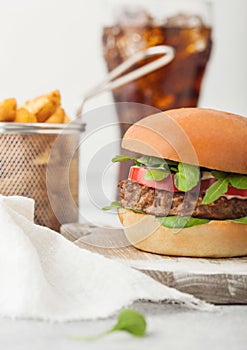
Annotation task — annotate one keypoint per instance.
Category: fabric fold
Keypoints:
(45, 276)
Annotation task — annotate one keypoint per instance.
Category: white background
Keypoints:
(48, 44)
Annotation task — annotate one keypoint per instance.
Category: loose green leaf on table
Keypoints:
(132, 322)
(128, 320)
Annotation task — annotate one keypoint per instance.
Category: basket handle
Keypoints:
(115, 79)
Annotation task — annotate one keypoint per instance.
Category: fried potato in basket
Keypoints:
(66, 119)
(44, 106)
(8, 110)
(57, 117)
(24, 116)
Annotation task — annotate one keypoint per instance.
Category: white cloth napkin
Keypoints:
(44, 276)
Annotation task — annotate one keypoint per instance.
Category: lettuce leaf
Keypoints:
(235, 180)
(215, 191)
(135, 210)
(220, 187)
(117, 205)
(241, 220)
(113, 205)
(152, 161)
(238, 181)
(122, 158)
(187, 177)
(180, 221)
(174, 221)
(156, 174)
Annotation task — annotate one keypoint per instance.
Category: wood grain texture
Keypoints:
(219, 281)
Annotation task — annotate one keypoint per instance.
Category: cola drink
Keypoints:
(175, 85)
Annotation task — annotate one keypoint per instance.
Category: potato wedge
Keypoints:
(24, 116)
(57, 117)
(66, 119)
(8, 110)
(44, 106)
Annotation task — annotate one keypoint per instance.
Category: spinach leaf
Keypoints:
(219, 174)
(135, 210)
(187, 177)
(216, 190)
(132, 322)
(156, 174)
(128, 320)
(241, 220)
(113, 205)
(181, 221)
(122, 158)
(147, 161)
(235, 180)
(220, 187)
(172, 163)
(116, 205)
(152, 161)
(238, 181)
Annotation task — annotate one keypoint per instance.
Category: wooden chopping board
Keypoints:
(219, 281)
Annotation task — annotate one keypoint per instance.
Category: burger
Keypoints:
(186, 193)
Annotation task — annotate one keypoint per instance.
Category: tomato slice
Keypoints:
(232, 191)
(206, 183)
(137, 174)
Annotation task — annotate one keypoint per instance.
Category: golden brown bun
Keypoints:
(205, 137)
(216, 239)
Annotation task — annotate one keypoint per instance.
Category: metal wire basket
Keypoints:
(24, 156)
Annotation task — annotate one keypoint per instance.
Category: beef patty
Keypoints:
(163, 203)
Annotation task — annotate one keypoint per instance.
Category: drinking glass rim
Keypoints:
(166, 8)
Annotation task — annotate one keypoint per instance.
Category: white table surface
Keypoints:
(169, 327)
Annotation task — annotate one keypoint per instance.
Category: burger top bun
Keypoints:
(204, 137)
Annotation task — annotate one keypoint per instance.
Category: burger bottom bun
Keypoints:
(216, 239)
